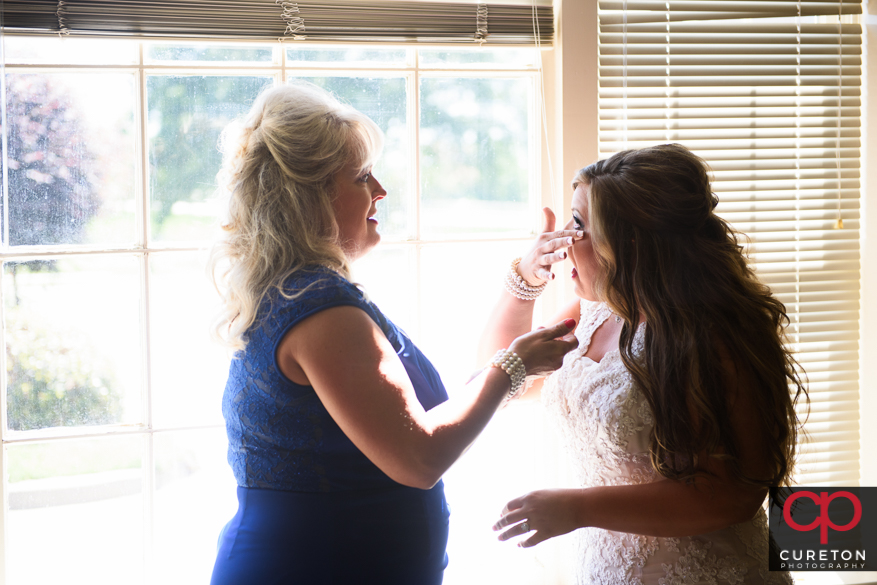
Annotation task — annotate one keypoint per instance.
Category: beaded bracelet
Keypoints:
(520, 288)
(511, 364)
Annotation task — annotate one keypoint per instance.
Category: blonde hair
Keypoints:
(662, 252)
(278, 173)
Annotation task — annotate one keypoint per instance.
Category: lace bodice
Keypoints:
(605, 421)
(280, 435)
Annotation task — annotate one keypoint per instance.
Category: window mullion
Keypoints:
(414, 125)
(148, 467)
(4, 193)
(4, 496)
(148, 459)
(414, 129)
(141, 197)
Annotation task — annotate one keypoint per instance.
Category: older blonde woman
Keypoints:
(339, 427)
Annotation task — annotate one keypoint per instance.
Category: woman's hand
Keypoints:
(542, 350)
(549, 248)
(545, 513)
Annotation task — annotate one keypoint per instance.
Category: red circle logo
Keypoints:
(823, 522)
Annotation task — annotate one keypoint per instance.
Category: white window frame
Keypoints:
(868, 323)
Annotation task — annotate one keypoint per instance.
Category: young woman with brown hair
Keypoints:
(678, 407)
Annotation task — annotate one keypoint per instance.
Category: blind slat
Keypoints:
(611, 13)
(339, 20)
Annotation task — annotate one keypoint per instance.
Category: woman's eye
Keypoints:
(365, 177)
(576, 223)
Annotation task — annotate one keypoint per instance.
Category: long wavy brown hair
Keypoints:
(664, 254)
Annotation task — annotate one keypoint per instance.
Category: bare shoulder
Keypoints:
(364, 386)
(571, 310)
(325, 337)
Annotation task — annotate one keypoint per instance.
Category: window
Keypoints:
(113, 443)
(770, 95)
(771, 100)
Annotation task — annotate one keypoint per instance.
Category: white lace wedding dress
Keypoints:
(605, 422)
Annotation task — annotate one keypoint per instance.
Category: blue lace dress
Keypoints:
(312, 508)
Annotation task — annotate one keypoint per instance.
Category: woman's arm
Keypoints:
(512, 316)
(665, 508)
(712, 501)
(360, 380)
(572, 310)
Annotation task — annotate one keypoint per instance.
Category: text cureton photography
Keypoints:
(823, 529)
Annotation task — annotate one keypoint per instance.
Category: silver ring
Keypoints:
(525, 527)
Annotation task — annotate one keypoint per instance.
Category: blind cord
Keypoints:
(839, 224)
(623, 73)
(291, 15)
(481, 23)
(61, 14)
(544, 116)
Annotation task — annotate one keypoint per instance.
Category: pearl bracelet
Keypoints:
(520, 288)
(511, 364)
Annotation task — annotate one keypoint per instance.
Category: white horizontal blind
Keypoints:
(769, 94)
(374, 21)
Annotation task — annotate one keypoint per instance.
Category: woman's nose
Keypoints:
(378, 192)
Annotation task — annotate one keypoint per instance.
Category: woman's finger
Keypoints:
(513, 504)
(547, 237)
(542, 268)
(510, 515)
(516, 530)
(560, 239)
(533, 540)
(550, 258)
(563, 333)
(548, 220)
(558, 330)
(544, 273)
(554, 250)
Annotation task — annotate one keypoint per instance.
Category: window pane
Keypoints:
(450, 337)
(71, 158)
(75, 512)
(72, 341)
(189, 369)
(67, 50)
(389, 276)
(484, 58)
(195, 497)
(476, 157)
(510, 458)
(208, 54)
(384, 100)
(186, 116)
(347, 57)
(504, 462)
